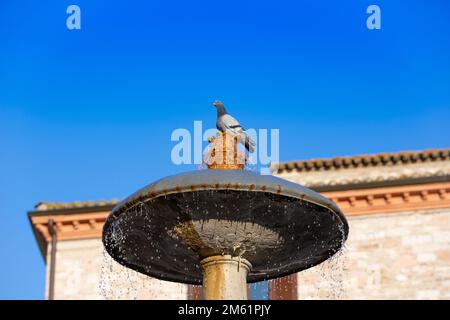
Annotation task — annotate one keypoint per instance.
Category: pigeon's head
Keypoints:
(218, 104)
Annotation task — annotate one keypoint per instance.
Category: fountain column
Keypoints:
(225, 277)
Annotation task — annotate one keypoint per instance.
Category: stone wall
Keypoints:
(85, 271)
(389, 256)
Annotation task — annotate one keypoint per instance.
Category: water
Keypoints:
(331, 285)
(328, 277)
(120, 283)
(117, 282)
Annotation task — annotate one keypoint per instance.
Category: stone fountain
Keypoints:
(223, 227)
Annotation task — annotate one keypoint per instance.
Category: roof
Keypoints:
(359, 161)
(96, 212)
(51, 206)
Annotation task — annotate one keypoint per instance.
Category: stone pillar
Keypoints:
(225, 278)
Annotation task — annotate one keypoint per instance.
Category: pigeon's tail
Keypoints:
(248, 142)
(250, 146)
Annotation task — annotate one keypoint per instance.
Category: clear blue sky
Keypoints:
(87, 115)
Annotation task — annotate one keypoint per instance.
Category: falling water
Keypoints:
(331, 277)
(119, 282)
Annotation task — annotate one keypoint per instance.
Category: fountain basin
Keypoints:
(166, 229)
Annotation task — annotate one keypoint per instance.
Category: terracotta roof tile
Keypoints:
(48, 206)
(381, 159)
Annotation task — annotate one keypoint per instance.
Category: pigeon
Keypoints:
(226, 123)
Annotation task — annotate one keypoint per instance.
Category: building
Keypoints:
(397, 205)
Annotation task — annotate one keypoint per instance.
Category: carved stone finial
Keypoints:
(224, 153)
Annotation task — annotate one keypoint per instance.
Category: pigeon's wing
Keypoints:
(230, 123)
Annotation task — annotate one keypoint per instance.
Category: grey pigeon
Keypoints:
(226, 123)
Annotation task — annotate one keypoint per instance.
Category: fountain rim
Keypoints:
(254, 182)
(283, 188)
